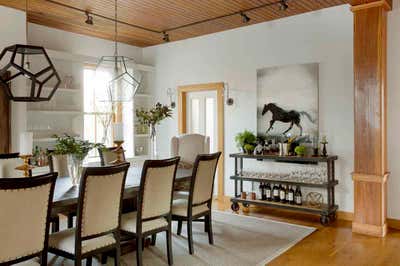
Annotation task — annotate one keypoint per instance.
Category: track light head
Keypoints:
(165, 37)
(89, 18)
(283, 5)
(245, 18)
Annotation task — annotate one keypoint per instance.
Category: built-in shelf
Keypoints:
(56, 112)
(142, 135)
(62, 90)
(143, 95)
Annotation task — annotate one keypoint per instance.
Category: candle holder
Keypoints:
(118, 151)
(26, 167)
(324, 151)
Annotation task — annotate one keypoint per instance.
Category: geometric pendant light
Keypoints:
(16, 66)
(119, 72)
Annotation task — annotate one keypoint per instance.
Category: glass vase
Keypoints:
(153, 142)
(74, 168)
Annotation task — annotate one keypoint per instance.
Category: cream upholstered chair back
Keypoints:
(59, 163)
(108, 155)
(204, 175)
(188, 146)
(100, 198)
(24, 216)
(8, 162)
(156, 187)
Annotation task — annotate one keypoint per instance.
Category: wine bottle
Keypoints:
(268, 192)
(287, 194)
(275, 192)
(262, 191)
(297, 196)
(291, 195)
(282, 192)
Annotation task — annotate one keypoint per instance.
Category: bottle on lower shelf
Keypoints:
(298, 197)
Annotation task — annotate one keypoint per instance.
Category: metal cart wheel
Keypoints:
(235, 206)
(333, 216)
(324, 219)
(246, 205)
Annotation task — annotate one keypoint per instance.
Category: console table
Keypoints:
(327, 211)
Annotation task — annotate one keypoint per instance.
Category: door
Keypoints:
(200, 110)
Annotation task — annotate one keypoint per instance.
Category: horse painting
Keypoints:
(279, 114)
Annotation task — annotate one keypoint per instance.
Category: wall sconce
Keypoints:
(171, 95)
(229, 100)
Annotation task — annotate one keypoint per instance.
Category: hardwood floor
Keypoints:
(331, 245)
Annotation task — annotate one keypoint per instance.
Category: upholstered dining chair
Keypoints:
(98, 216)
(199, 200)
(8, 162)
(24, 223)
(108, 155)
(188, 146)
(154, 205)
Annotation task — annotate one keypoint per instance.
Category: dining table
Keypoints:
(66, 195)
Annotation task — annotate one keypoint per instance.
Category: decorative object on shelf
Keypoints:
(139, 150)
(118, 129)
(314, 199)
(298, 198)
(249, 149)
(315, 145)
(76, 151)
(324, 142)
(20, 67)
(292, 101)
(244, 195)
(259, 147)
(252, 195)
(26, 148)
(171, 95)
(246, 137)
(300, 150)
(125, 78)
(151, 118)
(68, 81)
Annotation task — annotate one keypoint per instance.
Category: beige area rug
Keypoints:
(238, 240)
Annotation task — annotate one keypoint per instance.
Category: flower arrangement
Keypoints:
(70, 145)
(153, 116)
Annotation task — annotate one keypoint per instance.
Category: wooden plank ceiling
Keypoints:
(158, 15)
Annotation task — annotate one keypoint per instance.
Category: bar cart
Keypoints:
(327, 211)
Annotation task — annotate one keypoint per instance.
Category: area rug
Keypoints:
(238, 240)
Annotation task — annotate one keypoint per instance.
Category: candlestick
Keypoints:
(26, 146)
(118, 151)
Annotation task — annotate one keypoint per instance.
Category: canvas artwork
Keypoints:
(287, 100)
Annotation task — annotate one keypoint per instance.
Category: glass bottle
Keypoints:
(268, 192)
(275, 193)
(291, 195)
(297, 196)
(282, 194)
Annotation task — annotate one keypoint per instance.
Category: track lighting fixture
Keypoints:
(283, 5)
(89, 18)
(165, 37)
(245, 18)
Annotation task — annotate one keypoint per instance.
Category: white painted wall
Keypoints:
(324, 36)
(78, 44)
(13, 30)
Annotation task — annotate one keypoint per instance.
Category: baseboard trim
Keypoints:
(370, 229)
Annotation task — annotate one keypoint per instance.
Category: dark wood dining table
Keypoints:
(66, 195)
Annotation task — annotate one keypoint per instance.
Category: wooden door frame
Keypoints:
(182, 125)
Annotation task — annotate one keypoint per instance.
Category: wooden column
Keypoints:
(370, 159)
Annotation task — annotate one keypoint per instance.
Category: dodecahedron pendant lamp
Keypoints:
(123, 78)
(17, 67)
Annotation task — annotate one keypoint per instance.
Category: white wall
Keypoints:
(324, 36)
(60, 40)
(13, 30)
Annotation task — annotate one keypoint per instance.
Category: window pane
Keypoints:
(195, 115)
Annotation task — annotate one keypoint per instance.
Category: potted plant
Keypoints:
(300, 150)
(151, 118)
(76, 150)
(246, 137)
(249, 148)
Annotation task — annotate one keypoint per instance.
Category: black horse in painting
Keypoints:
(278, 114)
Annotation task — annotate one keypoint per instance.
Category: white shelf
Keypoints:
(44, 140)
(56, 112)
(62, 90)
(142, 135)
(143, 95)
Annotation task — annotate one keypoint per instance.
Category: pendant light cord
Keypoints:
(115, 30)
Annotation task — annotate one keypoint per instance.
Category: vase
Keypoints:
(74, 168)
(153, 142)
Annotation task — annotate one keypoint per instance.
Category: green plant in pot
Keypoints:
(300, 150)
(246, 137)
(76, 151)
(249, 149)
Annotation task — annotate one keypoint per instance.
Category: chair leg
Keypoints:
(89, 261)
(139, 250)
(179, 227)
(78, 262)
(70, 220)
(209, 229)
(206, 224)
(169, 247)
(103, 258)
(189, 235)
(117, 259)
(153, 239)
(43, 258)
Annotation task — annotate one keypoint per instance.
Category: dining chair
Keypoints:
(199, 199)
(154, 205)
(188, 146)
(24, 223)
(8, 162)
(98, 216)
(108, 155)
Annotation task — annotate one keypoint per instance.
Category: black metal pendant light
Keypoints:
(123, 79)
(16, 65)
